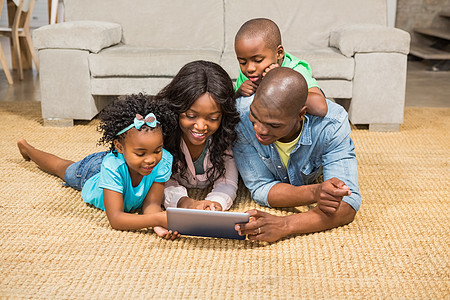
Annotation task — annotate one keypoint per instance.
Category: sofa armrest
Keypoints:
(366, 38)
(82, 35)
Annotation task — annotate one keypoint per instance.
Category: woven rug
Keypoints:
(52, 245)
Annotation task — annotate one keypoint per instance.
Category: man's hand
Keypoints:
(271, 67)
(329, 195)
(247, 88)
(263, 227)
(166, 234)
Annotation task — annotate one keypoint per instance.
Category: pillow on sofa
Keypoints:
(82, 35)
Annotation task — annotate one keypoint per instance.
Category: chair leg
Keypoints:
(5, 66)
(16, 44)
(30, 46)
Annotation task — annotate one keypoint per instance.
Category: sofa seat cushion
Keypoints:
(326, 63)
(132, 61)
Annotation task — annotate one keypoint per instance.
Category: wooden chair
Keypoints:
(21, 28)
(2, 55)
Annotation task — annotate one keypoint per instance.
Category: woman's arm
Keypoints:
(225, 188)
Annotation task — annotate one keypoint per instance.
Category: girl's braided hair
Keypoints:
(192, 81)
(121, 113)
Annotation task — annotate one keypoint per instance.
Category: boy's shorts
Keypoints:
(78, 173)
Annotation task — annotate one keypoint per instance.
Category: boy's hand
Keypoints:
(329, 195)
(166, 234)
(247, 88)
(206, 205)
(271, 67)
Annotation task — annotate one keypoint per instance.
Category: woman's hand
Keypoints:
(206, 205)
(187, 202)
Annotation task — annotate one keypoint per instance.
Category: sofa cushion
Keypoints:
(83, 35)
(326, 63)
(304, 24)
(130, 61)
(173, 24)
(113, 86)
(333, 88)
(367, 38)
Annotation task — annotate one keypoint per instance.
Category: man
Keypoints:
(282, 150)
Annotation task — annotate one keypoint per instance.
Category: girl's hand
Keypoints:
(166, 234)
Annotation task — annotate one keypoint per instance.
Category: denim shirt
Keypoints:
(324, 147)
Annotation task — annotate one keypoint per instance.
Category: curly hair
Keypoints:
(192, 81)
(121, 113)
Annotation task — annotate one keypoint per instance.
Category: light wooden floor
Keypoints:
(423, 88)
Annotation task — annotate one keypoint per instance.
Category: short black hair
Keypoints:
(283, 88)
(261, 27)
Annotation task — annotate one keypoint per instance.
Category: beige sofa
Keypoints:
(115, 47)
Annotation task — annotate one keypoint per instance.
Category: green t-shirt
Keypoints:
(292, 62)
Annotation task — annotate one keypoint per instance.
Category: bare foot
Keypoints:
(23, 148)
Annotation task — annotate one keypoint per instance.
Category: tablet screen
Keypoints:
(218, 224)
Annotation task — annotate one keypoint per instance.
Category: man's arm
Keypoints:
(255, 174)
(328, 195)
(340, 174)
(270, 228)
(288, 195)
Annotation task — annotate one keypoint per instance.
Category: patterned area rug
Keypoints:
(52, 245)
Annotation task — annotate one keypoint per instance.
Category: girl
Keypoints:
(201, 95)
(131, 174)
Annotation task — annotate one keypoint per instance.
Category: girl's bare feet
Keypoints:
(48, 162)
(23, 148)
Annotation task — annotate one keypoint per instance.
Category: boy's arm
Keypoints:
(316, 103)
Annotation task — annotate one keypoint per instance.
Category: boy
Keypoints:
(258, 49)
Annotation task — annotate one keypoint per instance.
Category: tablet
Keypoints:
(218, 224)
